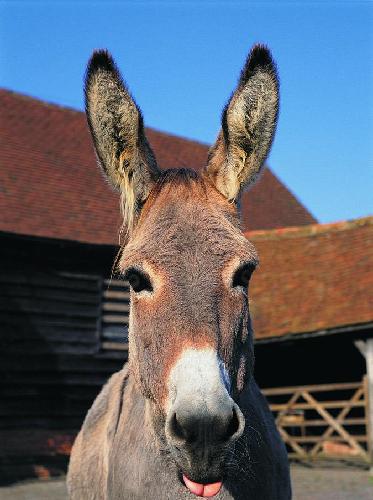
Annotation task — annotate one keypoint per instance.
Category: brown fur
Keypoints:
(205, 240)
(187, 242)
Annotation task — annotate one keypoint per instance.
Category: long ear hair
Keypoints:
(117, 129)
(248, 125)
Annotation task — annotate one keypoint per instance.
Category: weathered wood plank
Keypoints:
(50, 307)
(115, 295)
(23, 422)
(43, 407)
(319, 439)
(40, 347)
(79, 276)
(52, 379)
(49, 281)
(368, 390)
(38, 365)
(288, 406)
(333, 422)
(322, 423)
(48, 333)
(326, 404)
(288, 439)
(15, 391)
(116, 283)
(116, 333)
(112, 318)
(343, 413)
(333, 425)
(277, 391)
(116, 346)
(55, 294)
(36, 320)
(115, 306)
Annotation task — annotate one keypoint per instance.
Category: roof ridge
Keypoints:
(28, 97)
(310, 229)
(70, 109)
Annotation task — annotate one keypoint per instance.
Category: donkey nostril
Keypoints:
(176, 428)
(236, 424)
(185, 429)
(233, 426)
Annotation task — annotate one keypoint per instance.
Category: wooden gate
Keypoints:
(323, 421)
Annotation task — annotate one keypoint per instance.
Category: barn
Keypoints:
(311, 303)
(63, 319)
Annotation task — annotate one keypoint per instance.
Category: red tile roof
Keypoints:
(312, 278)
(52, 187)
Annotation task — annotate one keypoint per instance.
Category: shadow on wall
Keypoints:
(50, 367)
(33, 399)
(315, 360)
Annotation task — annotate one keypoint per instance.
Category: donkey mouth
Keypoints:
(202, 490)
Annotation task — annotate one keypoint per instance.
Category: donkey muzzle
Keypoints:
(200, 435)
(202, 421)
(199, 427)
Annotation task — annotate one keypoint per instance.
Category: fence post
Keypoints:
(369, 365)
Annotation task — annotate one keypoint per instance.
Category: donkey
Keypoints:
(184, 417)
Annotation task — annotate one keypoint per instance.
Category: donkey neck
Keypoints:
(136, 459)
(138, 464)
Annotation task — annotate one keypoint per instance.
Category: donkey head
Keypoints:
(188, 263)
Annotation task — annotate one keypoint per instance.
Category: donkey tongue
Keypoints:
(202, 490)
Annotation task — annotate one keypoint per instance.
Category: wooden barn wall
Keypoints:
(51, 366)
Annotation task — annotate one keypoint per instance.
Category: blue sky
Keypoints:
(182, 59)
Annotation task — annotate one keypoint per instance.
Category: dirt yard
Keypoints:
(331, 483)
(308, 484)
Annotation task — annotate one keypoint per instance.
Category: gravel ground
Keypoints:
(35, 490)
(331, 483)
(308, 484)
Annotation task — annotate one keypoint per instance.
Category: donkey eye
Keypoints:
(242, 275)
(138, 280)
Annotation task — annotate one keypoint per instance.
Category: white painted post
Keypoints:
(369, 363)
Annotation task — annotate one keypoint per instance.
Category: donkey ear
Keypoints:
(248, 126)
(117, 129)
